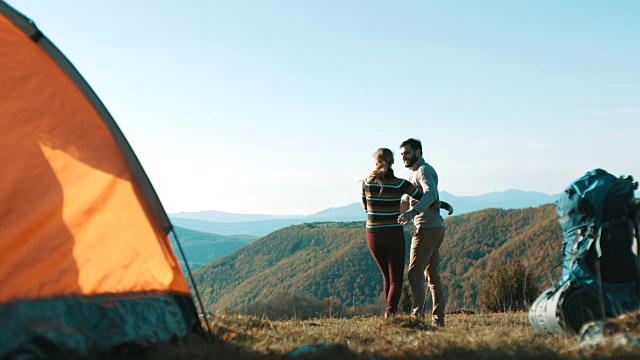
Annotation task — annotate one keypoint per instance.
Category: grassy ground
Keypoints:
(490, 336)
(485, 336)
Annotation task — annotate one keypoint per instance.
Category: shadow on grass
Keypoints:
(193, 346)
(524, 354)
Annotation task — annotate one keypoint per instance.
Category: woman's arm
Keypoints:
(445, 205)
(364, 198)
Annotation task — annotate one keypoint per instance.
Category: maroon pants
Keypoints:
(388, 250)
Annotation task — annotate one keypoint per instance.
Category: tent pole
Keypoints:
(195, 288)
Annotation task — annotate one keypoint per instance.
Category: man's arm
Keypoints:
(429, 198)
(428, 184)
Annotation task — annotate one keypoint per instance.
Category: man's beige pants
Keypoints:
(423, 263)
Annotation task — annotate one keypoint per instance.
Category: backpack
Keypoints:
(599, 218)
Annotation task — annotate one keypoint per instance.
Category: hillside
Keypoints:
(332, 259)
(320, 259)
(201, 248)
(475, 243)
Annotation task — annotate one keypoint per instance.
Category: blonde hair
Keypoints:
(384, 160)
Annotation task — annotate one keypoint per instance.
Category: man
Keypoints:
(426, 241)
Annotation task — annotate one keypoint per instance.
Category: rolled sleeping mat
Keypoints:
(564, 310)
(579, 306)
(543, 315)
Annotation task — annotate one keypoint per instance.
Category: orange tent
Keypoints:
(85, 259)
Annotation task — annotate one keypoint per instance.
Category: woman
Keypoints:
(381, 195)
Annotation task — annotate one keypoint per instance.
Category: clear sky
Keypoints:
(277, 106)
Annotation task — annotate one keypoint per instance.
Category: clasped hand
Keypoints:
(407, 216)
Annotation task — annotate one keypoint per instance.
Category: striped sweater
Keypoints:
(383, 208)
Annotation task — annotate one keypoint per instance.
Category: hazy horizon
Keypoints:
(344, 205)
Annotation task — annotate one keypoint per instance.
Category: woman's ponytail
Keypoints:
(384, 160)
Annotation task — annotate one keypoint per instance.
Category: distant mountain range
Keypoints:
(509, 199)
(221, 216)
(331, 259)
(251, 228)
(222, 223)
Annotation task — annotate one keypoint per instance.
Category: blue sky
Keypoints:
(276, 107)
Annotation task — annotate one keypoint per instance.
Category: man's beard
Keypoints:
(412, 161)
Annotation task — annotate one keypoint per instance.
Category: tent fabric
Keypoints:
(28, 28)
(79, 217)
(83, 325)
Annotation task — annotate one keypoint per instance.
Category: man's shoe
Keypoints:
(417, 316)
(437, 322)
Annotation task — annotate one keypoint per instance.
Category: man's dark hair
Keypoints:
(414, 143)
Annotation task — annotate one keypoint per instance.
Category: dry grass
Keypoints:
(484, 336)
(629, 324)
(490, 336)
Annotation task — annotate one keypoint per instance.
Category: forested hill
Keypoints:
(475, 243)
(332, 259)
(201, 248)
(320, 259)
